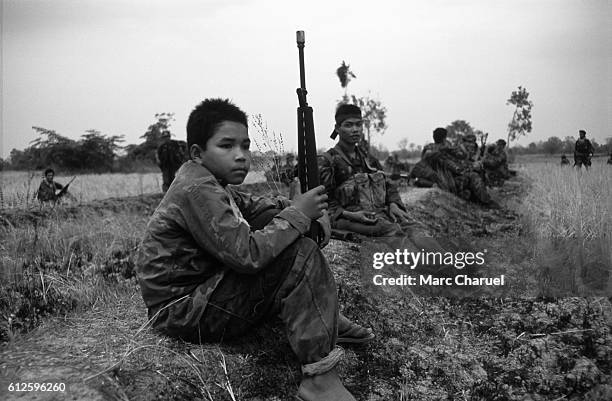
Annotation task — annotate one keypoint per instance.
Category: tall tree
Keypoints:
(552, 145)
(459, 128)
(153, 136)
(521, 119)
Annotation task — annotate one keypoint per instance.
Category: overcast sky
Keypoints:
(74, 65)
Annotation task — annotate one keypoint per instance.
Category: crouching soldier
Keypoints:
(564, 160)
(206, 274)
(495, 163)
(361, 198)
(47, 189)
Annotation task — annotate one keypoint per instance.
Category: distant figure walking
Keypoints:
(48, 187)
(583, 151)
(170, 156)
(564, 160)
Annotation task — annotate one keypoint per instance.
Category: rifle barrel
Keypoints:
(301, 41)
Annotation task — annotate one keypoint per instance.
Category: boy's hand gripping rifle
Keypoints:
(308, 171)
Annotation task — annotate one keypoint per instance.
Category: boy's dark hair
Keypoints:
(439, 135)
(207, 116)
(582, 132)
(49, 170)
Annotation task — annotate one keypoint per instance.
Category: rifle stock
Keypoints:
(308, 171)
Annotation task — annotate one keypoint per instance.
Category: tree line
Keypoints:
(94, 152)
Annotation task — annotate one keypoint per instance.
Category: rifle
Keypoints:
(483, 143)
(63, 191)
(397, 176)
(308, 170)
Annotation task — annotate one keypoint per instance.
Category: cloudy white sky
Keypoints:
(110, 65)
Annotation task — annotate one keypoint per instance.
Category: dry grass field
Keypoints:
(70, 306)
(18, 189)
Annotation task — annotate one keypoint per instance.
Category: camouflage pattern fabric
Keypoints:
(454, 171)
(358, 184)
(296, 286)
(46, 191)
(199, 247)
(495, 163)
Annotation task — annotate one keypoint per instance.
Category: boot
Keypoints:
(320, 380)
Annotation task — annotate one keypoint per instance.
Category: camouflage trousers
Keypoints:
(471, 186)
(297, 286)
(428, 175)
(382, 228)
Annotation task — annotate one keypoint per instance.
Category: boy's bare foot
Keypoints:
(324, 387)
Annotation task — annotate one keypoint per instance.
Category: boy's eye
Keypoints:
(226, 145)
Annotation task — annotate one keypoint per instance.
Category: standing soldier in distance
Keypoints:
(169, 156)
(583, 151)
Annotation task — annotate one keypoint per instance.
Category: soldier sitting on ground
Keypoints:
(454, 170)
(214, 262)
(583, 151)
(170, 155)
(49, 190)
(495, 162)
(564, 160)
(361, 198)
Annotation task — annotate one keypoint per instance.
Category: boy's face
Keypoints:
(227, 153)
(49, 177)
(350, 130)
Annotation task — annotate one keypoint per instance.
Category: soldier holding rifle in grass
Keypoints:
(214, 262)
(47, 189)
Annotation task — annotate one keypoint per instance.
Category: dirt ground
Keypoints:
(426, 347)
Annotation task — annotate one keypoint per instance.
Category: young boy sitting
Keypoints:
(207, 275)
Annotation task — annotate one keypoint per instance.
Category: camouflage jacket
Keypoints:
(445, 156)
(199, 232)
(495, 159)
(336, 168)
(46, 191)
